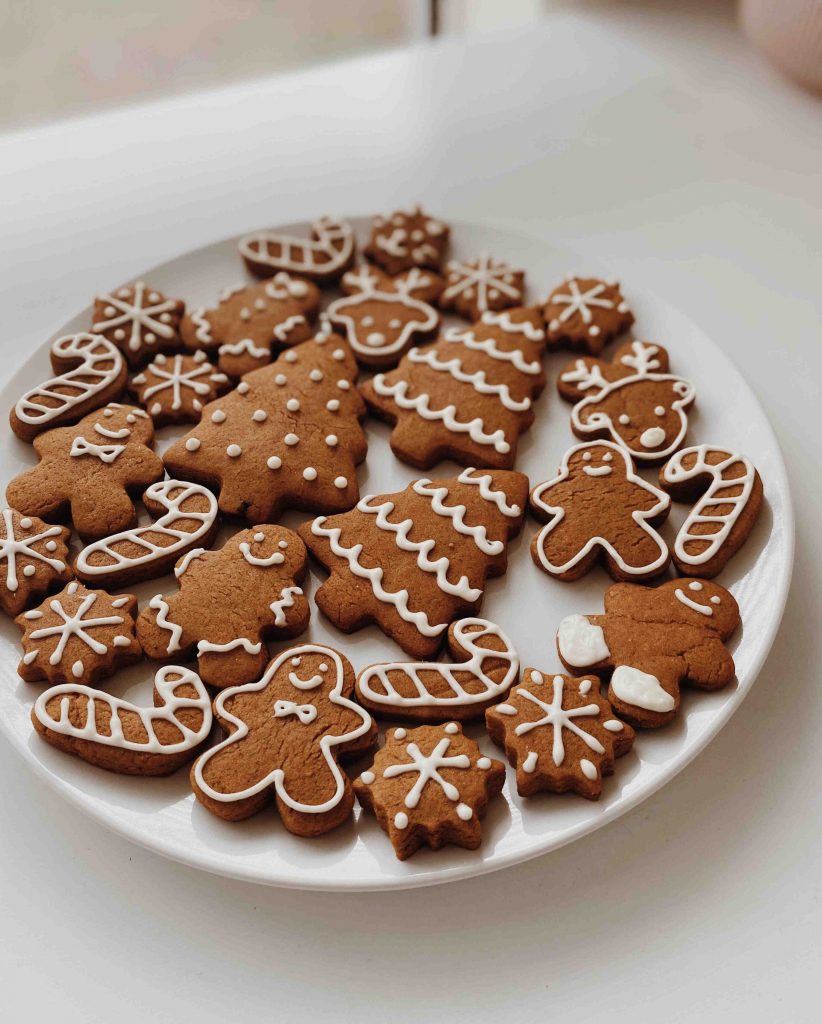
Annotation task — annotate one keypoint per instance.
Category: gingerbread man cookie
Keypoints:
(140, 320)
(286, 734)
(249, 320)
(174, 389)
(727, 491)
(229, 601)
(89, 471)
(33, 560)
(650, 641)
(598, 508)
(78, 636)
(414, 561)
(585, 313)
(632, 399)
(468, 396)
(90, 371)
(289, 436)
(407, 238)
(324, 258)
(481, 285)
(429, 787)
(559, 733)
(383, 316)
(123, 737)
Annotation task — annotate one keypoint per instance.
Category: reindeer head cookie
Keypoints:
(632, 400)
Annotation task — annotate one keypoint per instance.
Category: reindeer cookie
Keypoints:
(599, 508)
(468, 396)
(88, 471)
(727, 492)
(286, 733)
(430, 786)
(650, 641)
(174, 389)
(324, 258)
(559, 733)
(33, 559)
(140, 320)
(485, 667)
(229, 601)
(383, 316)
(249, 320)
(123, 737)
(407, 238)
(90, 371)
(632, 399)
(481, 285)
(585, 313)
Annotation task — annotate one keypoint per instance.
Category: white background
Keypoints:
(662, 145)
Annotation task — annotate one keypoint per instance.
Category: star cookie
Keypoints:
(140, 320)
(174, 389)
(585, 313)
(477, 286)
(407, 238)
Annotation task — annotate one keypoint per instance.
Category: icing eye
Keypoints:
(586, 457)
(323, 667)
(660, 410)
(716, 600)
(625, 419)
(695, 586)
(607, 457)
(295, 662)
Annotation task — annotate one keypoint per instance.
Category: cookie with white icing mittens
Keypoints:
(430, 786)
(599, 509)
(414, 561)
(559, 733)
(139, 320)
(585, 313)
(87, 473)
(481, 285)
(652, 640)
(174, 389)
(407, 238)
(468, 396)
(33, 560)
(229, 601)
(286, 734)
(324, 257)
(78, 636)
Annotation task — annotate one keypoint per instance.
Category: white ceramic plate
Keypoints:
(162, 815)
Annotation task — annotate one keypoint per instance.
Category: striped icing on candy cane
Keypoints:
(326, 256)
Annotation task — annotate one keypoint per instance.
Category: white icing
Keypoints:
(244, 346)
(477, 380)
(558, 719)
(324, 257)
(696, 606)
(176, 379)
(530, 763)
(489, 493)
(275, 558)
(632, 686)
(207, 647)
(284, 329)
(160, 605)
(187, 559)
(283, 602)
(580, 302)
(428, 768)
(13, 547)
(75, 624)
(580, 642)
(489, 346)
(484, 277)
(139, 314)
(104, 452)
(456, 513)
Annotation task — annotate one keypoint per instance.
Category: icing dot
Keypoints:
(259, 415)
(484, 763)
(593, 330)
(536, 677)
(589, 769)
(290, 356)
(607, 457)
(119, 334)
(282, 545)
(316, 375)
(401, 820)
(274, 462)
(716, 600)
(29, 570)
(612, 725)
(309, 473)
(243, 388)
(192, 444)
(108, 412)
(109, 310)
(554, 325)
(695, 586)
(341, 482)
(400, 734)
(622, 307)
(333, 404)
(660, 410)
(367, 778)
(331, 440)
(585, 687)
(291, 439)
(25, 522)
(464, 812)
(77, 669)
(338, 354)
(395, 324)
(150, 338)
(280, 379)
(624, 419)
(259, 537)
(323, 667)
(587, 457)
(218, 416)
(375, 339)
(51, 545)
(293, 404)
(156, 408)
(368, 321)
(233, 451)
(452, 728)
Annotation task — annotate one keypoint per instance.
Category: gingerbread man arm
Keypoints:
(710, 665)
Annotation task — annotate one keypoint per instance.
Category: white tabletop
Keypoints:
(659, 142)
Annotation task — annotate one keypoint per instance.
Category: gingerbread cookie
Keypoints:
(598, 508)
(632, 399)
(249, 319)
(186, 518)
(585, 313)
(287, 732)
(430, 787)
(289, 436)
(324, 258)
(140, 320)
(407, 238)
(468, 396)
(174, 389)
(229, 601)
(559, 733)
(650, 641)
(123, 737)
(33, 560)
(79, 636)
(485, 667)
(88, 471)
(727, 492)
(414, 561)
(90, 371)
(383, 316)
(481, 285)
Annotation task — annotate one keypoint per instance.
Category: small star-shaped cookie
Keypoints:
(474, 287)
(175, 388)
(585, 313)
(140, 320)
(33, 559)
(407, 238)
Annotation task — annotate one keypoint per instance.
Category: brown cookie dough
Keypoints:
(33, 560)
(174, 389)
(330, 251)
(585, 313)
(477, 286)
(407, 238)
(140, 320)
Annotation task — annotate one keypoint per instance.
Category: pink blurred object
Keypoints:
(789, 33)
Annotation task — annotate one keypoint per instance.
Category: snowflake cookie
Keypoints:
(585, 313)
(324, 258)
(650, 641)
(89, 470)
(407, 238)
(251, 320)
(78, 636)
(559, 733)
(33, 560)
(598, 508)
(286, 733)
(228, 602)
(477, 286)
(140, 320)
(430, 786)
(122, 737)
(174, 389)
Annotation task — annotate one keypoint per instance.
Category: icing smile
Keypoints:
(596, 470)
